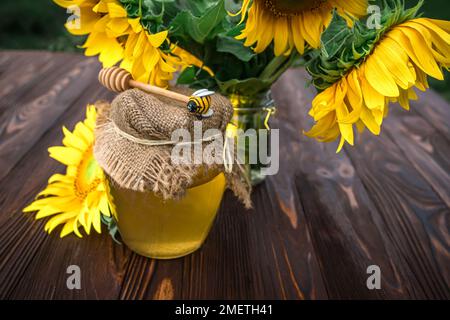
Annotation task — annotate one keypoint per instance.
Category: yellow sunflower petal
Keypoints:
(158, 39)
(396, 61)
(59, 219)
(417, 50)
(115, 10)
(281, 36)
(379, 77)
(75, 228)
(65, 155)
(369, 121)
(96, 221)
(67, 229)
(73, 141)
(312, 27)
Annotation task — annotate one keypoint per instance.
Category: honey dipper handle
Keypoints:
(159, 91)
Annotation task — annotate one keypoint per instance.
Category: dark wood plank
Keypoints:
(416, 218)
(23, 125)
(33, 264)
(35, 73)
(20, 70)
(5, 59)
(424, 146)
(137, 277)
(434, 109)
(347, 233)
(262, 253)
(102, 264)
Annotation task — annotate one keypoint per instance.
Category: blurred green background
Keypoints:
(38, 24)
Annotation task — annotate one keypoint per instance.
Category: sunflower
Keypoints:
(81, 196)
(292, 23)
(359, 81)
(115, 37)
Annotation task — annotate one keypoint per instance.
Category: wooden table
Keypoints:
(315, 228)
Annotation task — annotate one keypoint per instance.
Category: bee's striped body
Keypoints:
(200, 102)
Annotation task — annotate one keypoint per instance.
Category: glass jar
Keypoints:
(168, 229)
(253, 112)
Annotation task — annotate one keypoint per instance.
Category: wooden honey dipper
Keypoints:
(117, 79)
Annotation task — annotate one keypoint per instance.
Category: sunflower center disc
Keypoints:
(292, 7)
(86, 179)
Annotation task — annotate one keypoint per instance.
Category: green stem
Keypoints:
(272, 66)
(277, 66)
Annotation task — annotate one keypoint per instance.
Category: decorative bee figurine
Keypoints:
(118, 80)
(200, 102)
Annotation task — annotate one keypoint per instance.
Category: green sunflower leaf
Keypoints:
(248, 86)
(113, 230)
(235, 47)
(335, 36)
(187, 76)
(199, 28)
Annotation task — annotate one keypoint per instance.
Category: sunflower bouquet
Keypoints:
(153, 39)
(239, 49)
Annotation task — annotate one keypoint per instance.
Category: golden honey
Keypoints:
(168, 229)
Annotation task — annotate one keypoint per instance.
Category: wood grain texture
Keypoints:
(33, 264)
(315, 227)
(18, 69)
(416, 218)
(30, 112)
(23, 72)
(424, 146)
(433, 108)
(348, 231)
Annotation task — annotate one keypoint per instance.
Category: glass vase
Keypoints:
(167, 229)
(253, 112)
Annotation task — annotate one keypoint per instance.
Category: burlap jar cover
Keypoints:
(126, 144)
